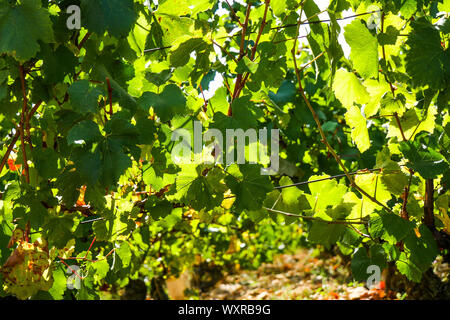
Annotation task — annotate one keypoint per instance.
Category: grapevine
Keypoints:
(348, 101)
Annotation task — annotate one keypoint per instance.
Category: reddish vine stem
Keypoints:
(404, 213)
(32, 111)
(205, 106)
(85, 38)
(261, 29)
(322, 134)
(224, 50)
(241, 55)
(27, 122)
(302, 22)
(397, 119)
(8, 151)
(84, 259)
(253, 52)
(16, 137)
(312, 61)
(428, 216)
(110, 97)
(23, 116)
(234, 13)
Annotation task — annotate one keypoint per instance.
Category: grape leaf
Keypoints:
(389, 227)
(199, 188)
(115, 16)
(83, 97)
(358, 124)
(348, 89)
(362, 260)
(426, 61)
(22, 26)
(86, 131)
(364, 49)
(249, 186)
(46, 162)
(168, 103)
(326, 234)
(426, 161)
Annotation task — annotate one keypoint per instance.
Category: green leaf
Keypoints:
(22, 26)
(246, 65)
(422, 250)
(325, 194)
(12, 191)
(159, 78)
(390, 104)
(412, 124)
(358, 124)
(181, 55)
(59, 231)
(427, 162)
(174, 7)
(389, 227)
(101, 230)
(326, 234)
(249, 186)
(124, 253)
(389, 37)
(100, 268)
(348, 89)
(89, 167)
(37, 214)
(83, 97)
(408, 8)
(115, 16)
(364, 49)
(285, 93)
(407, 268)
(426, 59)
(392, 177)
(161, 172)
(158, 209)
(376, 89)
(167, 104)
(362, 260)
(57, 63)
(278, 7)
(68, 183)
(244, 117)
(291, 200)
(373, 185)
(46, 162)
(444, 5)
(173, 218)
(114, 161)
(199, 187)
(86, 131)
(59, 284)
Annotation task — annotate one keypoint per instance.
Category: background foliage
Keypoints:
(86, 118)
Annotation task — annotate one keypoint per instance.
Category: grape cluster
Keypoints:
(28, 268)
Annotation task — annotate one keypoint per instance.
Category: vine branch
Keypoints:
(23, 117)
(322, 134)
(315, 218)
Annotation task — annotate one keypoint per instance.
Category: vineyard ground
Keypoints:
(302, 276)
